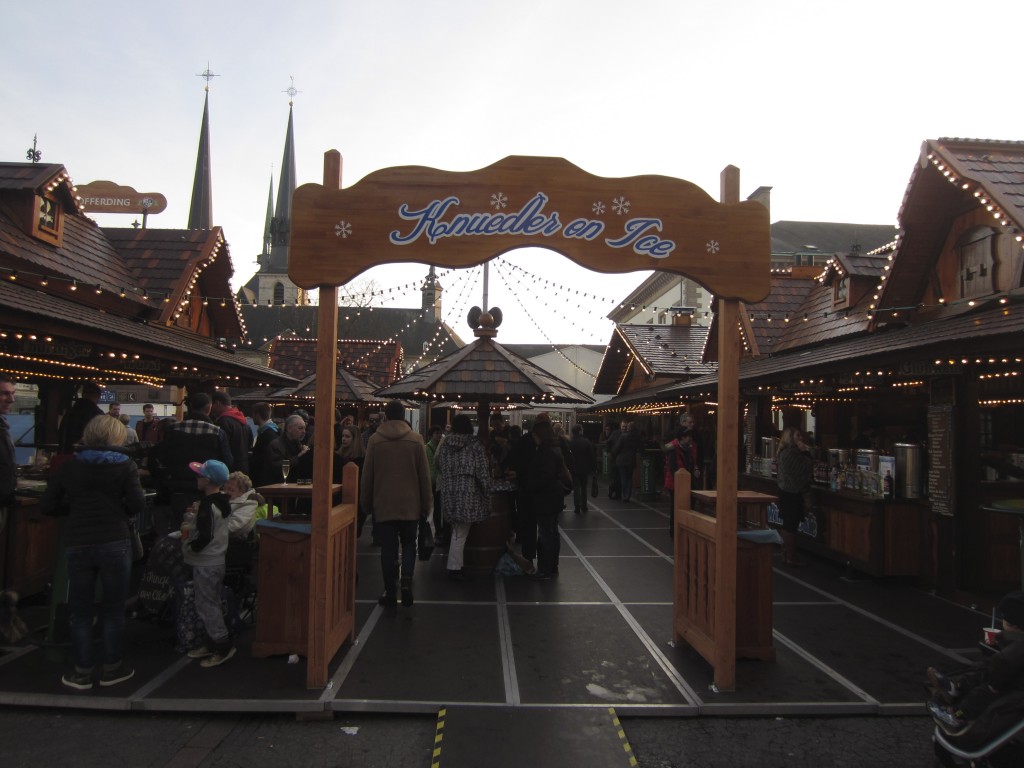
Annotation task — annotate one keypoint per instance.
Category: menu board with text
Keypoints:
(941, 480)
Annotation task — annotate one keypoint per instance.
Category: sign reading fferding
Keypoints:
(416, 214)
(108, 197)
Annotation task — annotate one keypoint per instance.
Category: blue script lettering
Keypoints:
(584, 229)
(642, 243)
(528, 220)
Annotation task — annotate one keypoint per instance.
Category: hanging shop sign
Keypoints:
(612, 225)
(108, 197)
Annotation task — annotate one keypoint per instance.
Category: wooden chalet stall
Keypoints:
(129, 309)
(463, 219)
(911, 350)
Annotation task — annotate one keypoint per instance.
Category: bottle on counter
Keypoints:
(887, 485)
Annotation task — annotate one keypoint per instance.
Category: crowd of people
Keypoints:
(204, 470)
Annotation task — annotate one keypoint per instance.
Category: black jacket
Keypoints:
(260, 470)
(72, 426)
(545, 481)
(195, 438)
(99, 490)
(583, 460)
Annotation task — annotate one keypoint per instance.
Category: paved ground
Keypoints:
(847, 680)
(33, 737)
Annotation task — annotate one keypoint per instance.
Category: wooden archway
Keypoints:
(611, 225)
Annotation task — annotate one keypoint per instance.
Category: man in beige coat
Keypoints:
(395, 489)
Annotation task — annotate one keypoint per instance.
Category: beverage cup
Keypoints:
(992, 636)
(184, 533)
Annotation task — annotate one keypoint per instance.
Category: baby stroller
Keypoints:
(996, 738)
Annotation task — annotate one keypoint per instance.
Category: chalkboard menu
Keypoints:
(941, 473)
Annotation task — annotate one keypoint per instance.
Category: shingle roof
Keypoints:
(484, 370)
(38, 178)
(348, 389)
(952, 176)
(672, 351)
(828, 237)
(183, 356)
(379, 362)
(422, 340)
(85, 256)
(164, 262)
(785, 300)
(669, 350)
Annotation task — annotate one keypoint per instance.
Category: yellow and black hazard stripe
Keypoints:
(435, 760)
(622, 737)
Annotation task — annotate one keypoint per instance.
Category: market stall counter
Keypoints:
(877, 536)
(28, 542)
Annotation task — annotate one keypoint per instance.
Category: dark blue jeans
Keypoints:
(391, 532)
(111, 563)
(579, 491)
(625, 481)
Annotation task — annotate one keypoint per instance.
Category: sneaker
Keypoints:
(80, 681)
(388, 600)
(407, 596)
(216, 659)
(948, 721)
(456, 575)
(200, 653)
(117, 675)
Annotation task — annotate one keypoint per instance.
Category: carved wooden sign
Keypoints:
(108, 197)
(453, 219)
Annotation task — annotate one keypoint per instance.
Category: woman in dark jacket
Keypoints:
(796, 471)
(350, 450)
(98, 489)
(584, 464)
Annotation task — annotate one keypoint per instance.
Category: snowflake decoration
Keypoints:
(598, 208)
(342, 229)
(620, 205)
(499, 200)
(713, 246)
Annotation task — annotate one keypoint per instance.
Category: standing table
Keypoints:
(282, 619)
(754, 582)
(751, 506)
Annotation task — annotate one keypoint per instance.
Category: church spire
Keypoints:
(268, 225)
(282, 221)
(200, 214)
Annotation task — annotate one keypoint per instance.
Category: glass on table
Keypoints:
(286, 468)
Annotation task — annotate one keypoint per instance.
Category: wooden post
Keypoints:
(728, 434)
(317, 658)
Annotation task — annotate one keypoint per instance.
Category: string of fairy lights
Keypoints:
(435, 343)
(455, 310)
(502, 274)
(136, 293)
(439, 334)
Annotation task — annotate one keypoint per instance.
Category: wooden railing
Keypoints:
(307, 591)
(723, 613)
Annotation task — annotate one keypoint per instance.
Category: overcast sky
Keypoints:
(827, 103)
